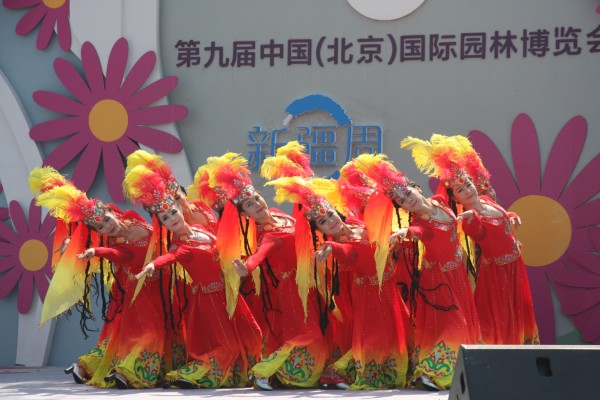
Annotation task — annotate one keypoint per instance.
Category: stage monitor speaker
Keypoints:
(503, 372)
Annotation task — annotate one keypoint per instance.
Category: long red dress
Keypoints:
(220, 350)
(99, 361)
(502, 294)
(300, 350)
(445, 311)
(378, 358)
(143, 349)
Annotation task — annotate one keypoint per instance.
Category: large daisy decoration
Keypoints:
(49, 13)
(107, 118)
(26, 254)
(560, 215)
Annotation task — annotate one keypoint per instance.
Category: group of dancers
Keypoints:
(367, 285)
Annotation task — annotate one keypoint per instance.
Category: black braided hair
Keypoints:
(323, 308)
(84, 307)
(266, 271)
(416, 288)
(163, 301)
(453, 205)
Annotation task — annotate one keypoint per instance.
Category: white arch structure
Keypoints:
(138, 22)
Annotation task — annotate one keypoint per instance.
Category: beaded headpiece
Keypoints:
(388, 179)
(231, 174)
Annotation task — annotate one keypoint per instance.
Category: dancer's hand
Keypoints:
(86, 255)
(323, 254)
(63, 245)
(515, 221)
(399, 234)
(240, 267)
(148, 270)
(467, 215)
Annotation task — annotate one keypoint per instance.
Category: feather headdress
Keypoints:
(70, 204)
(438, 158)
(389, 180)
(472, 163)
(391, 183)
(156, 164)
(230, 172)
(199, 189)
(290, 160)
(355, 189)
(296, 152)
(231, 175)
(42, 179)
(147, 188)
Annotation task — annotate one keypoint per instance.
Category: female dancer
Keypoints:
(130, 350)
(378, 357)
(441, 301)
(296, 355)
(220, 350)
(502, 294)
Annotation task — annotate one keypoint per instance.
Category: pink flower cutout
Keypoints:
(26, 255)
(561, 241)
(106, 117)
(49, 13)
(3, 210)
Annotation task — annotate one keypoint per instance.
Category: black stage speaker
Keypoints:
(503, 372)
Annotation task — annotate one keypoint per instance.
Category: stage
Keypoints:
(51, 383)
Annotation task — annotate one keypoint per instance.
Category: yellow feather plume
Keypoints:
(132, 188)
(329, 189)
(421, 153)
(292, 147)
(42, 179)
(62, 201)
(149, 160)
(369, 162)
(279, 166)
(289, 189)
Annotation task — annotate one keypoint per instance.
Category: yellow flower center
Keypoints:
(546, 229)
(33, 255)
(53, 3)
(108, 120)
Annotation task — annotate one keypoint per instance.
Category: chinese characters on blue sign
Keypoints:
(320, 142)
(559, 41)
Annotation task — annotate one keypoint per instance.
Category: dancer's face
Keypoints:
(465, 194)
(330, 224)
(255, 207)
(172, 219)
(109, 225)
(410, 199)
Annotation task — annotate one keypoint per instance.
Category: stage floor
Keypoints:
(51, 383)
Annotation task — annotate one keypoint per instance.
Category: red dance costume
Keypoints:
(378, 358)
(143, 348)
(502, 294)
(298, 347)
(220, 350)
(445, 311)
